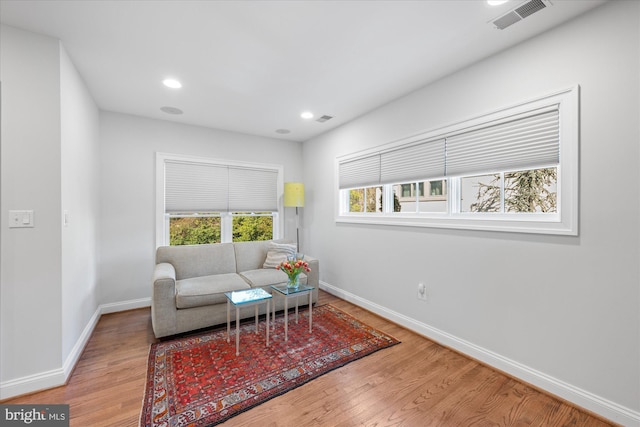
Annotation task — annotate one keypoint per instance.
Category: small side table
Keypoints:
(244, 298)
(286, 293)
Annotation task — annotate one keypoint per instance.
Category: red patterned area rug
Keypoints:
(199, 381)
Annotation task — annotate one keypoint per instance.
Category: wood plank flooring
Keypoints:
(415, 383)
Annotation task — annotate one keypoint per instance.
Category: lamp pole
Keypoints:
(294, 197)
(297, 231)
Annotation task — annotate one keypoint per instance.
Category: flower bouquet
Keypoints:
(293, 266)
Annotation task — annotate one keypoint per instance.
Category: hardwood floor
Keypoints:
(415, 383)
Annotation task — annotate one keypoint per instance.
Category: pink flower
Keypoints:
(294, 267)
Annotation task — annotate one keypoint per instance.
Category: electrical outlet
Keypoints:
(422, 291)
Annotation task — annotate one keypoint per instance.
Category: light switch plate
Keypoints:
(21, 219)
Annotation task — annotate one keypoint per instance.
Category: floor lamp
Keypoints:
(294, 198)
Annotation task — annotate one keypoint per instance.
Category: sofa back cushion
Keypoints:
(198, 260)
(251, 255)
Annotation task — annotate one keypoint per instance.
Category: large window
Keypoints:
(212, 201)
(200, 228)
(512, 170)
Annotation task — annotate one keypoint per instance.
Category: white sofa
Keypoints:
(189, 283)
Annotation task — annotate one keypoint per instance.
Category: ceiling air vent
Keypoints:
(519, 13)
(324, 119)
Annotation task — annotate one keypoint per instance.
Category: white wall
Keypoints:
(30, 257)
(49, 146)
(128, 154)
(559, 312)
(79, 179)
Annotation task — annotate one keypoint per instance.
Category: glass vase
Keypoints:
(293, 282)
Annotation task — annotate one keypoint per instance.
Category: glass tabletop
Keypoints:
(247, 295)
(283, 289)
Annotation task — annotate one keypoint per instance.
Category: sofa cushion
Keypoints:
(207, 290)
(267, 276)
(277, 253)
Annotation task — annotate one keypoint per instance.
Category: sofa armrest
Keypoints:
(163, 300)
(164, 271)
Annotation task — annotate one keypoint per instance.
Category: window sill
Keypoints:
(527, 223)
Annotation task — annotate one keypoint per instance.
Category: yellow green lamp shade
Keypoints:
(293, 194)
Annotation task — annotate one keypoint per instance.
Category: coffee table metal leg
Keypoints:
(268, 302)
(286, 319)
(237, 331)
(256, 306)
(310, 312)
(228, 320)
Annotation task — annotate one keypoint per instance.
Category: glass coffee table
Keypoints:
(287, 293)
(245, 298)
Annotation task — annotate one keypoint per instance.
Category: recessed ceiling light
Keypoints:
(496, 2)
(307, 115)
(171, 110)
(172, 83)
(283, 131)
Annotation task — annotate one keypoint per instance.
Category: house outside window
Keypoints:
(423, 196)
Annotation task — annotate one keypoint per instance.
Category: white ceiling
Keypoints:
(254, 66)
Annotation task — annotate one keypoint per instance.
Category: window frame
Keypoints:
(563, 222)
(226, 221)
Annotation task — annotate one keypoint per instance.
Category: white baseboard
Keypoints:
(59, 377)
(31, 383)
(125, 305)
(77, 349)
(582, 398)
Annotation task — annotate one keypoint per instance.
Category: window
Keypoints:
(423, 196)
(251, 226)
(512, 170)
(407, 191)
(211, 201)
(365, 199)
(195, 229)
(519, 191)
(474, 190)
(531, 191)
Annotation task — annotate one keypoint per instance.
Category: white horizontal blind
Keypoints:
(521, 143)
(195, 187)
(199, 187)
(524, 141)
(360, 172)
(414, 162)
(253, 190)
